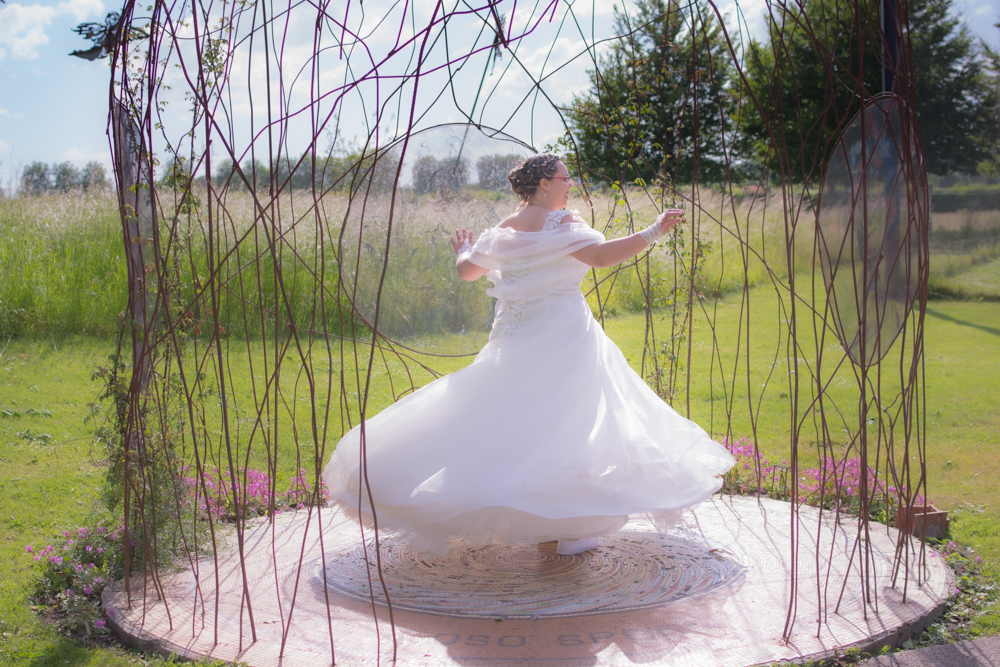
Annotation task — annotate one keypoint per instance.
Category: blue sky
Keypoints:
(53, 108)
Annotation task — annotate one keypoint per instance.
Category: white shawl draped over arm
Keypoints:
(504, 249)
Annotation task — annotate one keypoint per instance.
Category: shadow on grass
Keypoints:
(948, 318)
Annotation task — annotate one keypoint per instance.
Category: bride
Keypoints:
(548, 434)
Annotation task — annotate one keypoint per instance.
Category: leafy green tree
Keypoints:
(823, 60)
(93, 177)
(990, 165)
(660, 100)
(65, 177)
(35, 179)
(492, 170)
(225, 175)
(256, 173)
(446, 176)
(425, 174)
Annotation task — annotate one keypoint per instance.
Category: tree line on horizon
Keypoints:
(347, 172)
(39, 178)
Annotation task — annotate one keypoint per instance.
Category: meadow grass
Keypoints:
(62, 264)
(62, 260)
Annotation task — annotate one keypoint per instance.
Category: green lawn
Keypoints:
(50, 471)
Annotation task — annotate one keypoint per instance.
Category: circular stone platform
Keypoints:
(710, 591)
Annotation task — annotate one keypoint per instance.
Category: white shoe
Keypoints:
(570, 547)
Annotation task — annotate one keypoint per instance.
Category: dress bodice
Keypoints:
(533, 272)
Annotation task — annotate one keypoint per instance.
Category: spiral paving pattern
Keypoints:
(629, 571)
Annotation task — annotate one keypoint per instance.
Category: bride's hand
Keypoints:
(462, 237)
(669, 218)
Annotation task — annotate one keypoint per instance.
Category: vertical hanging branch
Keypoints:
(139, 236)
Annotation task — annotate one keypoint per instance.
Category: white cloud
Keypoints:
(22, 27)
(545, 59)
(607, 9)
(746, 18)
(80, 156)
(82, 9)
(984, 10)
(4, 113)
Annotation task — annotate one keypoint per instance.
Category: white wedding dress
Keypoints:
(548, 434)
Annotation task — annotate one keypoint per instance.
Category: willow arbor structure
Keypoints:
(288, 175)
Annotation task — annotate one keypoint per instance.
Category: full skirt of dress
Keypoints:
(548, 434)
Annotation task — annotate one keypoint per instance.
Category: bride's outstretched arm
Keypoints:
(616, 251)
(462, 243)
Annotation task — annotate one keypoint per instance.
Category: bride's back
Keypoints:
(528, 219)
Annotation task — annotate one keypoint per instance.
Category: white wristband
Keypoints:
(651, 234)
(464, 251)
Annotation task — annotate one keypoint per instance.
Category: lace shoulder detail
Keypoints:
(555, 218)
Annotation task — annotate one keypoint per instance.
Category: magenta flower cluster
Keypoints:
(74, 573)
(832, 484)
(744, 479)
(843, 479)
(214, 493)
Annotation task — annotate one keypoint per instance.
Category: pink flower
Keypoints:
(28, 549)
(100, 623)
(89, 548)
(111, 612)
(65, 533)
(70, 542)
(69, 592)
(88, 590)
(100, 550)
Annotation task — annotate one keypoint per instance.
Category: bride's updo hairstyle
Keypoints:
(525, 177)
